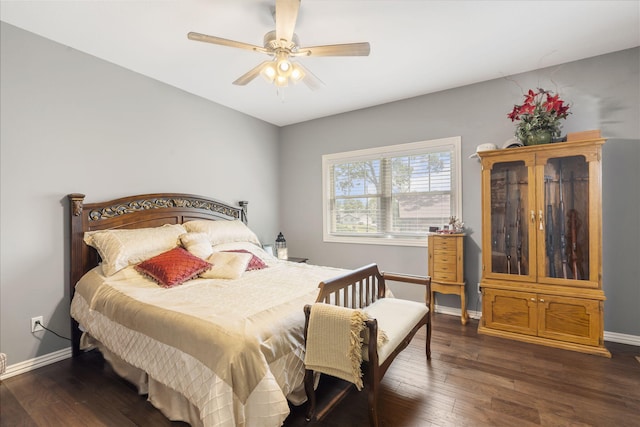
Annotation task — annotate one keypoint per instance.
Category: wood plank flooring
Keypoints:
(472, 380)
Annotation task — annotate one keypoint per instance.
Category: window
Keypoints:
(391, 195)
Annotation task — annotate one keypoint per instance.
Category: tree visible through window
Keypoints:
(393, 193)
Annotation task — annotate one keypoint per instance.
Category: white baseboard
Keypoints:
(608, 336)
(622, 338)
(35, 363)
(456, 312)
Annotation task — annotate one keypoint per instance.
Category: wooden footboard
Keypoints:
(364, 286)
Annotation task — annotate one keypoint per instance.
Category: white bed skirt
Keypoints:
(172, 404)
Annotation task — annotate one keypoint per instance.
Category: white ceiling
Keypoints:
(417, 47)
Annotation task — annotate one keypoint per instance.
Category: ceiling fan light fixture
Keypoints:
(297, 74)
(269, 72)
(283, 65)
(281, 81)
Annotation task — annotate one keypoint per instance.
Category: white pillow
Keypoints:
(251, 247)
(197, 243)
(227, 265)
(122, 248)
(223, 231)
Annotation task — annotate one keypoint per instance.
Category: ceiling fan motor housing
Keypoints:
(271, 42)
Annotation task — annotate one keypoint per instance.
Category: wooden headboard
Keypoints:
(146, 210)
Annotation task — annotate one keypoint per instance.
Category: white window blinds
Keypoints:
(391, 194)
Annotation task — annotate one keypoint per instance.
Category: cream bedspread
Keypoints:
(233, 348)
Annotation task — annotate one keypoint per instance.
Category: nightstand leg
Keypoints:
(463, 307)
(432, 302)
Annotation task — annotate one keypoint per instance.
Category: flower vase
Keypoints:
(537, 137)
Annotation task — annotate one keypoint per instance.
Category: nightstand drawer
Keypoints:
(447, 258)
(452, 266)
(448, 272)
(447, 276)
(444, 243)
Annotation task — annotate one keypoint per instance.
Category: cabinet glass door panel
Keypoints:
(566, 218)
(509, 218)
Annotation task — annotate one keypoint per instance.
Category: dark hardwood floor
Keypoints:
(471, 380)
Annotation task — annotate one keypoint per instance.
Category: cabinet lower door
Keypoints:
(510, 311)
(568, 319)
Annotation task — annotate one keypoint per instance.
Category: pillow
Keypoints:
(121, 248)
(197, 243)
(255, 263)
(223, 231)
(257, 250)
(173, 267)
(227, 265)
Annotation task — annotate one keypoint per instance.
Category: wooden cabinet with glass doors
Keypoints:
(541, 245)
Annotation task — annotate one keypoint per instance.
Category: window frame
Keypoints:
(452, 144)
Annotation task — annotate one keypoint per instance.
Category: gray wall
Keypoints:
(605, 93)
(73, 123)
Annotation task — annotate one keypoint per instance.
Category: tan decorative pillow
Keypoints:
(223, 231)
(227, 265)
(197, 243)
(255, 263)
(121, 248)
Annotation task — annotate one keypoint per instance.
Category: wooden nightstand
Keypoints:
(446, 268)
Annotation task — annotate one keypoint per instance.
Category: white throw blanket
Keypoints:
(334, 342)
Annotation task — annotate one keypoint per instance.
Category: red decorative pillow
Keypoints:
(255, 263)
(173, 267)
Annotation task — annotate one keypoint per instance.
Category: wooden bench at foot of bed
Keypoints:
(365, 288)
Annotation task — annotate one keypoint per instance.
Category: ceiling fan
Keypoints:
(282, 45)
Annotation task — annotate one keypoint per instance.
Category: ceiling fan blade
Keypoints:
(251, 74)
(348, 49)
(286, 16)
(224, 42)
(310, 79)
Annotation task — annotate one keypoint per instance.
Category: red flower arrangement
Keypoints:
(540, 112)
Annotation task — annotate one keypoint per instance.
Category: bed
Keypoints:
(211, 352)
(178, 295)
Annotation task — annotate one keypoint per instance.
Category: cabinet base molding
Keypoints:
(595, 350)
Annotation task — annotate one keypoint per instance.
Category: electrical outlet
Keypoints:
(479, 288)
(37, 327)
